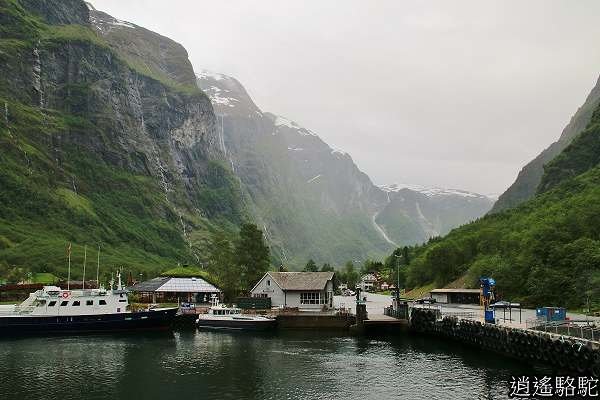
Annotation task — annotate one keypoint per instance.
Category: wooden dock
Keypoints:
(382, 323)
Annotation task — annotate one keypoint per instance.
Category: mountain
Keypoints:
(105, 139)
(312, 199)
(110, 137)
(414, 214)
(529, 178)
(545, 250)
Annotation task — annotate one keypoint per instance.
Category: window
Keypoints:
(122, 300)
(310, 298)
(268, 282)
(76, 304)
(102, 302)
(52, 304)
(41, 303)
(89, 302)
(63, 303)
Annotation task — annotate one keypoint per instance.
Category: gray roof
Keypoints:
(175, 285)
(187, 285)
(301, 280)
(149, 286)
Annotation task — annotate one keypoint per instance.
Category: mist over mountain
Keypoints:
(529, 178)
(326, 185)
(110, 137)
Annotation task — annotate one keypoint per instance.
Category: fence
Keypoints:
(401, 313)
(579, 329)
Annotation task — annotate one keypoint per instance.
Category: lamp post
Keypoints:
(397, 279)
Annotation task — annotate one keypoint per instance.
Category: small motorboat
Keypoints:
(220, 316)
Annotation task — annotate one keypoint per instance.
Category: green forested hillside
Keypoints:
(94, 151)
(546, 251)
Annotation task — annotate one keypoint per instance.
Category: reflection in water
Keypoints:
(211, 365)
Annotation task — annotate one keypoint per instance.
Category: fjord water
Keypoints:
(221, 365)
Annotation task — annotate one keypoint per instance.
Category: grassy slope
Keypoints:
(546, 251)
(40, 211)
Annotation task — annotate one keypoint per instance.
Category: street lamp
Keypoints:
(397, 278)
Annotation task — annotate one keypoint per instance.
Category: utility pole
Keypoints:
(397, 279)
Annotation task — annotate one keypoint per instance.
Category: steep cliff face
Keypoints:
(415, 214)
(311, 199)
(529, 178)
(103, 150)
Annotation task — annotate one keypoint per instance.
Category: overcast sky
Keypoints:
(456, 94)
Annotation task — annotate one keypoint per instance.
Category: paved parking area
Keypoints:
(377, 302)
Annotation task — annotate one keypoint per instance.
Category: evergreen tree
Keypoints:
(311, 266)
(252, 255)
(327, 268)
(350, 275)
(222, 265)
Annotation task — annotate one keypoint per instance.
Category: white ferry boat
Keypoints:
(53, 309)
(220, 316)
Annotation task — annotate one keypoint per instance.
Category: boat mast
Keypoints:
(84, 261)
(69, 269)
(98, 270)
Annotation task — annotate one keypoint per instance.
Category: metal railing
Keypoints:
(401, 313)
(579, 329)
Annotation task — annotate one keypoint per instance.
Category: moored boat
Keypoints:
(221, 317)
(54, 310)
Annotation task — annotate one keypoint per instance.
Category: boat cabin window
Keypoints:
(41, 303)
(89, 302)
(63, 303)
(102, 302)
(122, 300)
(52, 304)
(75, 304)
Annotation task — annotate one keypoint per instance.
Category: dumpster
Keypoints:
(551, 313)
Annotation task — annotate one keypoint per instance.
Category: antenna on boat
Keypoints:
(98, 270)
(69, 269)
(84, 261)
(119, 284)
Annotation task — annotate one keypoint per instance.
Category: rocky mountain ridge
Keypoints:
(529, 178)
(327, 179)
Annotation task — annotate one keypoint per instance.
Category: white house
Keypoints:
(367, 283)
(305, 290)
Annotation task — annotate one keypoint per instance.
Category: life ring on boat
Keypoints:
(65, 295)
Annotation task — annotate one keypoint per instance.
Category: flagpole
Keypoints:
(69, 270)
(84, 261)
(98, 270)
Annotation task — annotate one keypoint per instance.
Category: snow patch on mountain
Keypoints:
(430, 191)
(314, 179)
(217, 96)
(288, 123)
(206, 74)
(107, 24)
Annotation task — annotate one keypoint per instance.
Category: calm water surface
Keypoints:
(221, 365)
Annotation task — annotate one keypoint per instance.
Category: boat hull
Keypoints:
(31, 325)
(252, 325)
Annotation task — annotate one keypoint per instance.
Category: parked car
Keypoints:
(425, 300)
